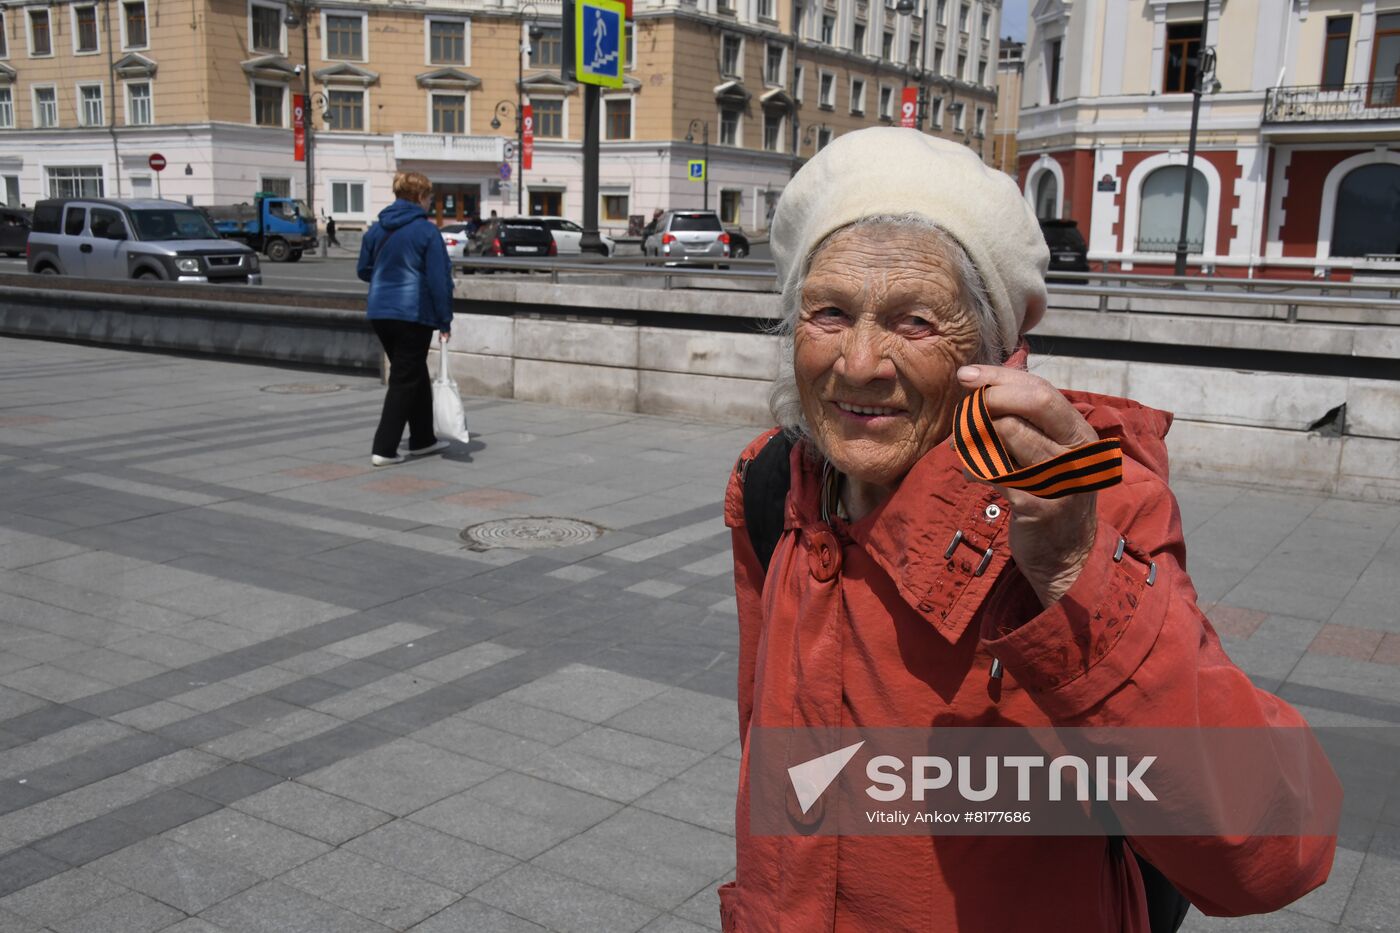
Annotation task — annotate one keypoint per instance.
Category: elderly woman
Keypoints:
(899, 589)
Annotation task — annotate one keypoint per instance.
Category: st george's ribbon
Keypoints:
(1081, 469)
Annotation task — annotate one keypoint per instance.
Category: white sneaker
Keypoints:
(430, 449)
(385, 461)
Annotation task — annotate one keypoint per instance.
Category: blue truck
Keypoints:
(279, 228)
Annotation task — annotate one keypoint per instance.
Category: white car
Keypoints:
(455, 238)
(567, 234)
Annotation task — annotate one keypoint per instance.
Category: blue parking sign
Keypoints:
(695, 169)
(599, 31)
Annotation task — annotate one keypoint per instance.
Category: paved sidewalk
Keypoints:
(249, 684)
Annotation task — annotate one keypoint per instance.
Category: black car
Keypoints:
(738, 243)
(1068, 251)
(14, 230)
(514, 236)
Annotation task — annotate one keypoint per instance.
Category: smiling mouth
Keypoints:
(868, 411)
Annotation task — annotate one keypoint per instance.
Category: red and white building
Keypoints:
(1297, 170)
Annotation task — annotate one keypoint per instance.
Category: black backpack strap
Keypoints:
(766, 479)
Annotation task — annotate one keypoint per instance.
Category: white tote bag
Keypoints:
(449, 418)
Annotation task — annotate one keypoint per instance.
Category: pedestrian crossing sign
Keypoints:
(695, 169)
(599, 42)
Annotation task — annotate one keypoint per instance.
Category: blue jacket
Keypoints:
(405, 263)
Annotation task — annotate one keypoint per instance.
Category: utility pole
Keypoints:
(1205, 59)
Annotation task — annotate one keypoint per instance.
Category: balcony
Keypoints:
(444, 147)
(1349, 103)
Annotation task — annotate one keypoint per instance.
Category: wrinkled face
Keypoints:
(881, 331)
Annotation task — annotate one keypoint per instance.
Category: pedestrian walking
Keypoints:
(410, 296)
(330, 232)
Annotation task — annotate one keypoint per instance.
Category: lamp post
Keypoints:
(299, 14)
(906, 8)
(526, 44)
(705, 142)
(506, 108)
(1205, 70)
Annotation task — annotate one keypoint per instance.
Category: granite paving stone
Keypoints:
(247, 842)
(471, 914)
(174, 874)
(126, 913)
(563, 904)
(60, 897)
(401, 776)
(273, 907)
(371, 889)
(312, 812)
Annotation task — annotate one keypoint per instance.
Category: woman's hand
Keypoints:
(1050, 538)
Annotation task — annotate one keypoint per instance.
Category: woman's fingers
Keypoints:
(1037, 407)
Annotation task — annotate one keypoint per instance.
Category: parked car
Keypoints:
(514, 236)
(1068, 251)
(738, 243)
(457, 240)
(681, 235)
(14, 230)
(567, 235)
(135, 239)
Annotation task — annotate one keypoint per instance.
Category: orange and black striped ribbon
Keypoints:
(1081, 469)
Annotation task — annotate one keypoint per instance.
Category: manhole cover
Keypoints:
(529, 533)
(305, 388)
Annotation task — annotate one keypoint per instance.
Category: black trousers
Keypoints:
(410, 396)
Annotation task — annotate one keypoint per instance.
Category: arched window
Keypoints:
(1159, 220)
(1368, 212)
(1046, 194)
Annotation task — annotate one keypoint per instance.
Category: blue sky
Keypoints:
(1013, 19)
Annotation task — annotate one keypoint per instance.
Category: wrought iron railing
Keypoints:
(1377, 100)
(1194, 245)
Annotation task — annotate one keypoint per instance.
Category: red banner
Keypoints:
(527, 134)
(909, 107)
(299, 127)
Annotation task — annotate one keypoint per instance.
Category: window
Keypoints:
(267, 104)
(961, 73)
(935, 113)
(549, 118)
(857, 96)
(731, 49)
(617, 118)
(1047, 194)
(938, 59)
(941, 11)
(962, 18)
(347, 197)
(450, 114)
(1334, 53)
(547, 51)
(887, 46)
(773, 70)
(823, 138)
(275, 185)
(1052, 71)
(74, 221)
(914, 52)
(1385, 61)
(75, 181)
(1159, 224)
(729, 127)
(1368, 211)
(45, 107)
(982, 73)
(345, 110)
(90, 105)
(7, 109)
(772, 131)
(138, 104)
(103, 221)
(986, 25)
(630, 52)
(826, 94)
(84, 29)
(447, 42)
(267, 28)
(134, 24)
(886, 103)
(12, 190)
(828, 29)
(345, 37)
(858, 39)
(729, 204)
(614, 206)
(40, 39)
(980, 126)
(797, 86)
(4, 37)
(1183, 52)
(765, 9)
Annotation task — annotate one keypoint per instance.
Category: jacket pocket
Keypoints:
(729, 907)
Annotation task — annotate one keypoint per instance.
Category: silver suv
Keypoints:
(683, 235)
(99, 238)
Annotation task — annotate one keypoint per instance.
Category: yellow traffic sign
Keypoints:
(599, 42)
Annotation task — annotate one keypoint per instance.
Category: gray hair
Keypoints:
(784, 401)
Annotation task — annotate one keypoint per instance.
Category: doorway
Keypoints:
(546, 203)
(454, 203)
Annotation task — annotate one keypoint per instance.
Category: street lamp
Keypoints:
(299, 14)
(531, 33)
(504, 108)
(813, 134)
(906, 8)
(705, 141)
(1205, 71)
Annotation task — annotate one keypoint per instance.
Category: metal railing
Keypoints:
(1377, 100)
(667, 271)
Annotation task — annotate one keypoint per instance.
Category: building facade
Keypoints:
(1297, 170)
(1011, 68)
(91, 89)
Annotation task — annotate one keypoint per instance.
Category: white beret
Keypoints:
(893, 170)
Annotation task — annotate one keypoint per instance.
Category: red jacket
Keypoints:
(867, 624)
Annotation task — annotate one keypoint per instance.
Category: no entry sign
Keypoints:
(156, 162)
